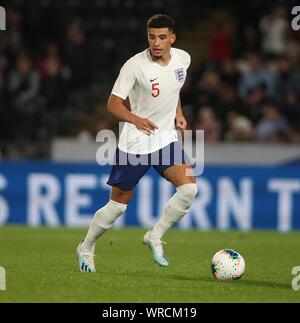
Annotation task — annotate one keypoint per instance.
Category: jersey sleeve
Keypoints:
(187, 60)
(184, 57)
(125, 81)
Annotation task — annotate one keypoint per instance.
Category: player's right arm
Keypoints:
(118, 109)
(116, 103)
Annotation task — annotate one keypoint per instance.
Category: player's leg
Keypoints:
(121, 196)
(102, 221)
(180, 202)
(123, 179)
(178, 205)
(177, 174)
(106, 216)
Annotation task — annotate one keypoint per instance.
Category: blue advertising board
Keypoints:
(239, 197)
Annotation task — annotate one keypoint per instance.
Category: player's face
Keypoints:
(160, 41)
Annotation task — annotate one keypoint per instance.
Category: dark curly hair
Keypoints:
(161, 21)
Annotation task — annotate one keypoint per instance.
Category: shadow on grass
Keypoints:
(162, 273)
(243, 281)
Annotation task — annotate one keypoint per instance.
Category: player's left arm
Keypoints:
(181, 122)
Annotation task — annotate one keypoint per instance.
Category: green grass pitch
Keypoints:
(41, 266)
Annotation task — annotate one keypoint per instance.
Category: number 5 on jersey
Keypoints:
(155, 89)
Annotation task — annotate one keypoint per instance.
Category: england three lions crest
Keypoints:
(179, 73)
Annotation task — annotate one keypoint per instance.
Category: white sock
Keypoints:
(102, 221)
(176, 208)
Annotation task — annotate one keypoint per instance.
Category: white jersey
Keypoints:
(153, 92)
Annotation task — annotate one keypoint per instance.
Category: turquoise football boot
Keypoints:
(156, 245)
(85, 260)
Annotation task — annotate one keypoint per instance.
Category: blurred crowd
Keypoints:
(249, 88)
(42, 83)
(56, 74)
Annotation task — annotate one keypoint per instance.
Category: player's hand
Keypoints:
(145, 125)
(180, 122)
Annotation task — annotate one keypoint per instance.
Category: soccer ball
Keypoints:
(227, 264)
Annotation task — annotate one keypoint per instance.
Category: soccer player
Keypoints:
(152, 81)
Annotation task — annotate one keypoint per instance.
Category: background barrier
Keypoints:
(240, 197)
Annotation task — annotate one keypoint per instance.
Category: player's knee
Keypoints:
(187, 193)
(121, 196)
(108, 214)
(117, 207)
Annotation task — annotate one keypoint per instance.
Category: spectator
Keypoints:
(229, 73)
(52, 52)
(295, 134)
(52, 98)
(78, 56)
(255, 76)
(292, 48)
(208, 88)
(23, 86)
(240, 128)
(95, 125)
(291, 108)
(249, 41)
(254, 103)
(273, 126)
(274, 28)
(287, 78)
(207, 121)
(228, 101)
(221, 44)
